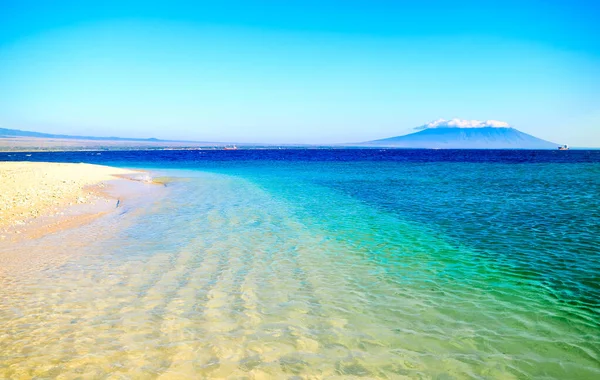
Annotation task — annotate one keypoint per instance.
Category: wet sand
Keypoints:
(38, 198)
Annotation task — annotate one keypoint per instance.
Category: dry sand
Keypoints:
(38, 197)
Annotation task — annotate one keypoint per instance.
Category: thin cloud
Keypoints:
(462, 123)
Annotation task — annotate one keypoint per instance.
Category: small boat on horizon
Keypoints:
(230, 147)
(564, 147)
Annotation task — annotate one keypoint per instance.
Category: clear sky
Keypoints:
(299, 71)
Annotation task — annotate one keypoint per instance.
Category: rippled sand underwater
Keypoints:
(225, 277)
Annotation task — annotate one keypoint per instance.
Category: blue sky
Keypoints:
(304, 72)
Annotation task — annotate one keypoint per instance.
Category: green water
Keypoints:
(315, 271)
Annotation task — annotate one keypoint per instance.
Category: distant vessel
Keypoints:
(230, 147)
(564, 147)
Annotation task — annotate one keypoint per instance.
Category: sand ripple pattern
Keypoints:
(225, 280)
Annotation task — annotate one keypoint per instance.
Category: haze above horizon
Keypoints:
(299, 72)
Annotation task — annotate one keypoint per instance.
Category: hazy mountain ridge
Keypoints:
(5, 132)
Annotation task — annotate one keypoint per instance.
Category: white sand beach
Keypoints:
(37, 198)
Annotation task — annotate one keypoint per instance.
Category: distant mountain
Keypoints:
(465, 134)
(4, 132)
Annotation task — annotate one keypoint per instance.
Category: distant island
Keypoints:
(13, 140)
(464, 134)
(439, 134)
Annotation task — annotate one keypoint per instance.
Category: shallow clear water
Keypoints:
(326, 264)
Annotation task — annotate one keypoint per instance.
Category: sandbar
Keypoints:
(37, 198)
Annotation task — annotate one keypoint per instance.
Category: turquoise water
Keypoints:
(320, 269)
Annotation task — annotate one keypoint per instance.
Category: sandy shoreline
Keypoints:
(37, 198)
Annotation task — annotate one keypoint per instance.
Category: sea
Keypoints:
(319, 263)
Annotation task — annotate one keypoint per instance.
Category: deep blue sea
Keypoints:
(339, 263)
